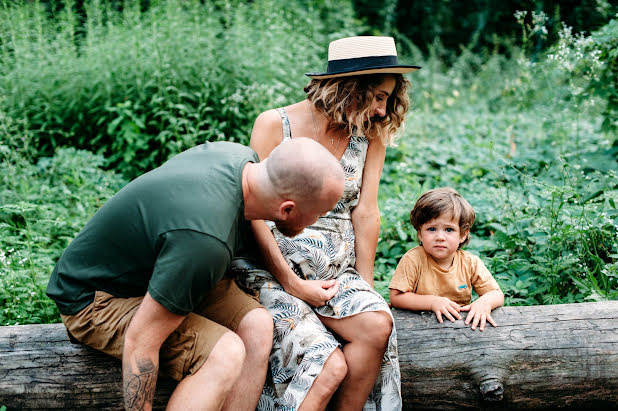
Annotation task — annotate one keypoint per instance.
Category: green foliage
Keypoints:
(134, 85)
(523, 142)
(528, 138)
(42, 207)
(140, 86)
(605, 85)
(483, 25)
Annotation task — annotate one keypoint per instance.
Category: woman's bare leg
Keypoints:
(326, 383)
(367, 337)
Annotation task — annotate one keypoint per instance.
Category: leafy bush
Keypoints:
(42, 207)
(605, 40)
(523, 142)
(480, 24)
(139, 86)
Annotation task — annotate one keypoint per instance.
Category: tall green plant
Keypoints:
(521, 140)
(605, 85)
(139, 86)
(42, 206)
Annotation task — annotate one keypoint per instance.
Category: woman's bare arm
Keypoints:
(366, 214)
(266, 135)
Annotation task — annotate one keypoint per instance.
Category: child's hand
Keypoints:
(442, 305)
(479, 311)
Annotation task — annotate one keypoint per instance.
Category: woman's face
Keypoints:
(381, 95)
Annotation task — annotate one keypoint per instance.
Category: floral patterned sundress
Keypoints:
(322, 251)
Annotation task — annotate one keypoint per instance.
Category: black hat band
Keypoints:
(361, 63)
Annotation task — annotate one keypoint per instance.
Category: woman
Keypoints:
(319, 284)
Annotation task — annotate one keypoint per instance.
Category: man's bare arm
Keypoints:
(148, 329)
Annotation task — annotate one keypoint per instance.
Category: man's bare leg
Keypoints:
(324, 386)
(208, 388)
(367, 337)
(256, 332)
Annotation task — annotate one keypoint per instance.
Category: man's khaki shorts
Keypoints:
(102, 325)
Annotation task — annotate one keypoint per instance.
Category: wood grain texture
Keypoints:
(40, 369)
(539, 357)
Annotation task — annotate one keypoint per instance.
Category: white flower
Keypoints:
(520, 15)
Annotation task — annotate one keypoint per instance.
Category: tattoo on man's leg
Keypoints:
(139, 388)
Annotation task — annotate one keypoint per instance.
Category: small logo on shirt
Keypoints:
(461, 287)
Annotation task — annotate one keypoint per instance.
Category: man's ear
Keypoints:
(286, 208)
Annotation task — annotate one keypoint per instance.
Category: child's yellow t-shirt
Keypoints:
(417, 272)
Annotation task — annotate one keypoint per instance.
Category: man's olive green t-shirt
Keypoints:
(172, 232)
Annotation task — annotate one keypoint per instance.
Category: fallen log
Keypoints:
(538, 357)
(40, 369)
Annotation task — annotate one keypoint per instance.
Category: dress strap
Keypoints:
(287, 132)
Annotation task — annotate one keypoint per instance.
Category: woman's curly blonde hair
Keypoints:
(346, 101)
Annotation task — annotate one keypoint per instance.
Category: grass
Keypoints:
(140, 86)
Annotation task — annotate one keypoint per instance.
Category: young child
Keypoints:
(438, 275)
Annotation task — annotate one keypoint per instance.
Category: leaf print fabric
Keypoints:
(302, 343)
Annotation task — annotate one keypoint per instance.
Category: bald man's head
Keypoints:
(303, 171)
(299, 168)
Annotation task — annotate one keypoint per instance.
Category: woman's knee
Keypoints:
(335, 369)
(379, 327)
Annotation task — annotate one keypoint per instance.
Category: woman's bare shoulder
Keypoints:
(267, 133)
(272, 116)
(268, 119)
(296, 109)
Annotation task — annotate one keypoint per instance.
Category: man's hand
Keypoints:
(314, 292)
(479, 311)
(444, 306)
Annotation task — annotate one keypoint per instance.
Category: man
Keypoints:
(144, 280)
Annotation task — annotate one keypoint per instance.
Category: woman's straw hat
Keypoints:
(351, 56)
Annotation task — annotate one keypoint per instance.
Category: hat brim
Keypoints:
(376, 70)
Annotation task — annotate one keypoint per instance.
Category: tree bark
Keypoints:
(538, 357)
(40, 369)
(552, 356)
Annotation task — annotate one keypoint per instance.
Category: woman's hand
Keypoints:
(314, 292)
(444, 306)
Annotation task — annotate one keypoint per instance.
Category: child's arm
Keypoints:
(480, 310)
(418, 302)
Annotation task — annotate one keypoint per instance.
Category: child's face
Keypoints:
(441, 238)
